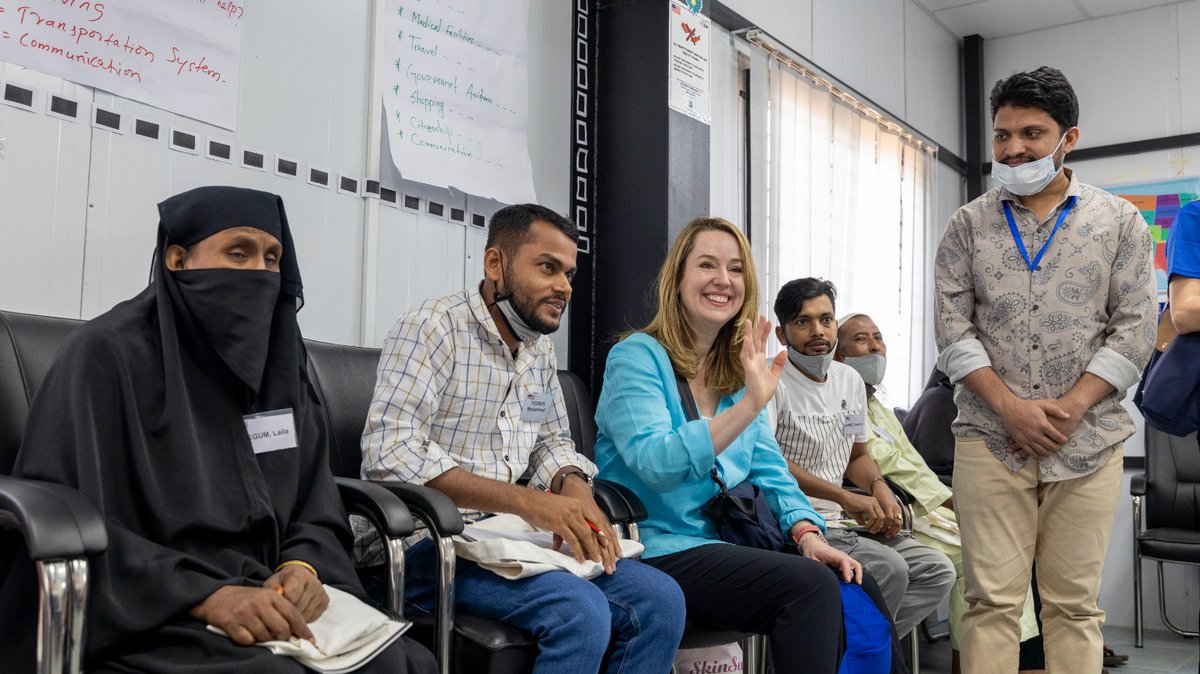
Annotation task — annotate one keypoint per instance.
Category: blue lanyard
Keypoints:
(1012, 227)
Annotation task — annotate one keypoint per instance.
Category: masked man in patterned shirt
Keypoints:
(467, 402)
(1044, 317)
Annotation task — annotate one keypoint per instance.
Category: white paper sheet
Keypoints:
(456, 95)
(179, 55)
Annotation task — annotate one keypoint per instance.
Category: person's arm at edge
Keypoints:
(1184, 292)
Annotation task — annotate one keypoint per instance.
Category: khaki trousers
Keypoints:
(1008, 521)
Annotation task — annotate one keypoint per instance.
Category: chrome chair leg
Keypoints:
(445, 601)
(754, 654)
(1162, 608)
(53, 642)
(1137, 573)
(394, 556)
(77, 614)
(914, 645)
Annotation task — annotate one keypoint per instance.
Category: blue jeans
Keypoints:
(638, 609)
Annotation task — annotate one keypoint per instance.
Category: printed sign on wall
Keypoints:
(689, 85)
(179, 55)
(456, 95)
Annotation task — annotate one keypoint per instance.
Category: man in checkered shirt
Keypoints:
(467, 401)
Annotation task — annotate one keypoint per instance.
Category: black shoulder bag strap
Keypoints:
(693, 413)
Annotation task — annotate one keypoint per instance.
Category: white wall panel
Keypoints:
(1186, 21)
(789, 21)
(1125, 70)
(317, 118)
(932, 79)
(43, 184)
(862, 44)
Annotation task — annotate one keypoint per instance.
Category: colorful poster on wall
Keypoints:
(182, 56)
(690, 51)
(1159, 202)
(456, 90)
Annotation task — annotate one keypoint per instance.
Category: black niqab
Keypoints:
(143, 412)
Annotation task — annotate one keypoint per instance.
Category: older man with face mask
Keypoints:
(861, 346)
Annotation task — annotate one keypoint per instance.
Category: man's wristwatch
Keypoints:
(562, 480)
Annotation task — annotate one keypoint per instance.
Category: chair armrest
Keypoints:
(618, 502)
(1137, 485)
(56, 521)
(384, 509)
(902, 496)
(430, 506)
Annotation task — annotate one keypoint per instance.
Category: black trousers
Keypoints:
(793, 599)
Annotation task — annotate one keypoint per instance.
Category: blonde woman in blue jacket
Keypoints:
(707, 330)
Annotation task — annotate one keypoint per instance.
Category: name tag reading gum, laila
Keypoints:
(271, 431)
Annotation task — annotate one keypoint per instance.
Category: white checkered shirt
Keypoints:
(449, 393)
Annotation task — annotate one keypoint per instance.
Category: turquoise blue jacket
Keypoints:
(646, 443)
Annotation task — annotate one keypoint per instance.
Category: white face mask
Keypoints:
(814, 366)
(516, 322)
(871, 366)
(1029, 178)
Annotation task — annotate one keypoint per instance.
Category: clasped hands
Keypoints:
(878, 512)
(279, 610)
(1038, 428)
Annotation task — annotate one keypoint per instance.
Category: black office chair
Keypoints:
(1171, 489)
(59, 527)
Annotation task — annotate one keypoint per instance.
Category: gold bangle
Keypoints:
(298, 562)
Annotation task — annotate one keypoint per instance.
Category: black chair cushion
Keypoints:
(581, 412)
(1172, 545)
(1172, 481)
(28, 344)
(344, 378)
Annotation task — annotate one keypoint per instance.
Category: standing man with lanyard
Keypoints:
(1044, 317)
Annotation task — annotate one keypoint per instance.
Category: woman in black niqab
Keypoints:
(144, 411)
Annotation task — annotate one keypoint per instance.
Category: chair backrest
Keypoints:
(581, 412)
(1173, 472)
(28, 344)
(344, 378)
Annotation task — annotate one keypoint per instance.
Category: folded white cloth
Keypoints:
(347, 634)
(512, 548)
(936, 526)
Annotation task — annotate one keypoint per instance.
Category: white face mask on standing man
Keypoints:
(1030, 177)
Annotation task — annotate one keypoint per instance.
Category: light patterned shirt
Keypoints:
(1088, 306)
(449, 393)
(900, 462)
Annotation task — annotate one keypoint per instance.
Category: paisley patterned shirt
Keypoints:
(1088, 306)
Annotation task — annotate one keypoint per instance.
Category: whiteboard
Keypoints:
(78, 200)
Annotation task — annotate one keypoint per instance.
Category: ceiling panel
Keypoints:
(938, 5)
(1108, 7)
(1000, 18)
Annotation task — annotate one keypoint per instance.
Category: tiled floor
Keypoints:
(1163, 652)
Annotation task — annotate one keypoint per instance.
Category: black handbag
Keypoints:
(742, 514)
(1169, 393)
